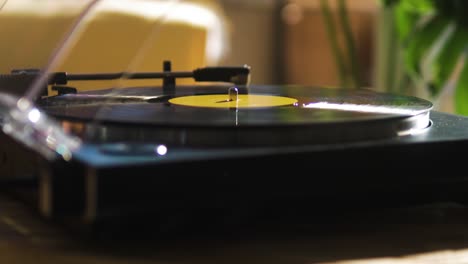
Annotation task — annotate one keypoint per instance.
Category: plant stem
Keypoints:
(350, 44)
(331, 33)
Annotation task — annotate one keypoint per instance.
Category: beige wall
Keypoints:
(303, 50)
(305, 53)
(309, 55)
(251, 34)
(110, 40)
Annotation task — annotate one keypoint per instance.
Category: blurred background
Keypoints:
(285, 42)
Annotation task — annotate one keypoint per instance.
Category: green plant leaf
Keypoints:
(408, 15)
(447, 59)
(418, 6)
(461, 91)
(420, 43)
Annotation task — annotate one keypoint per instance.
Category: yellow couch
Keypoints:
(116, 35)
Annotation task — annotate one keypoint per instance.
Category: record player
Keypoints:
(121, 153)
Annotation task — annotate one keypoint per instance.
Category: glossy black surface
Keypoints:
(149, 106)
(144, 114)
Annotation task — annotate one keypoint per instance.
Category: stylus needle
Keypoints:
(233, 95)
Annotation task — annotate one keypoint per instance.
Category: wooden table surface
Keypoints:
(432, 233)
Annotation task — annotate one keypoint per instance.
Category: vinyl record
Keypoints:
(215, 116)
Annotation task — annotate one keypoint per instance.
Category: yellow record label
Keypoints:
(242, 101)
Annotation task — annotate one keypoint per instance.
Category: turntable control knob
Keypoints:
(233, 94)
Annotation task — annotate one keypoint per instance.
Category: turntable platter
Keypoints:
(204, 116)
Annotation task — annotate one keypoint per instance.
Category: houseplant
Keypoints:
(432, 36)
(422, 48)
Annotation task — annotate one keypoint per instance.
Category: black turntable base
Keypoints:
(158, 150)
(130, 178)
